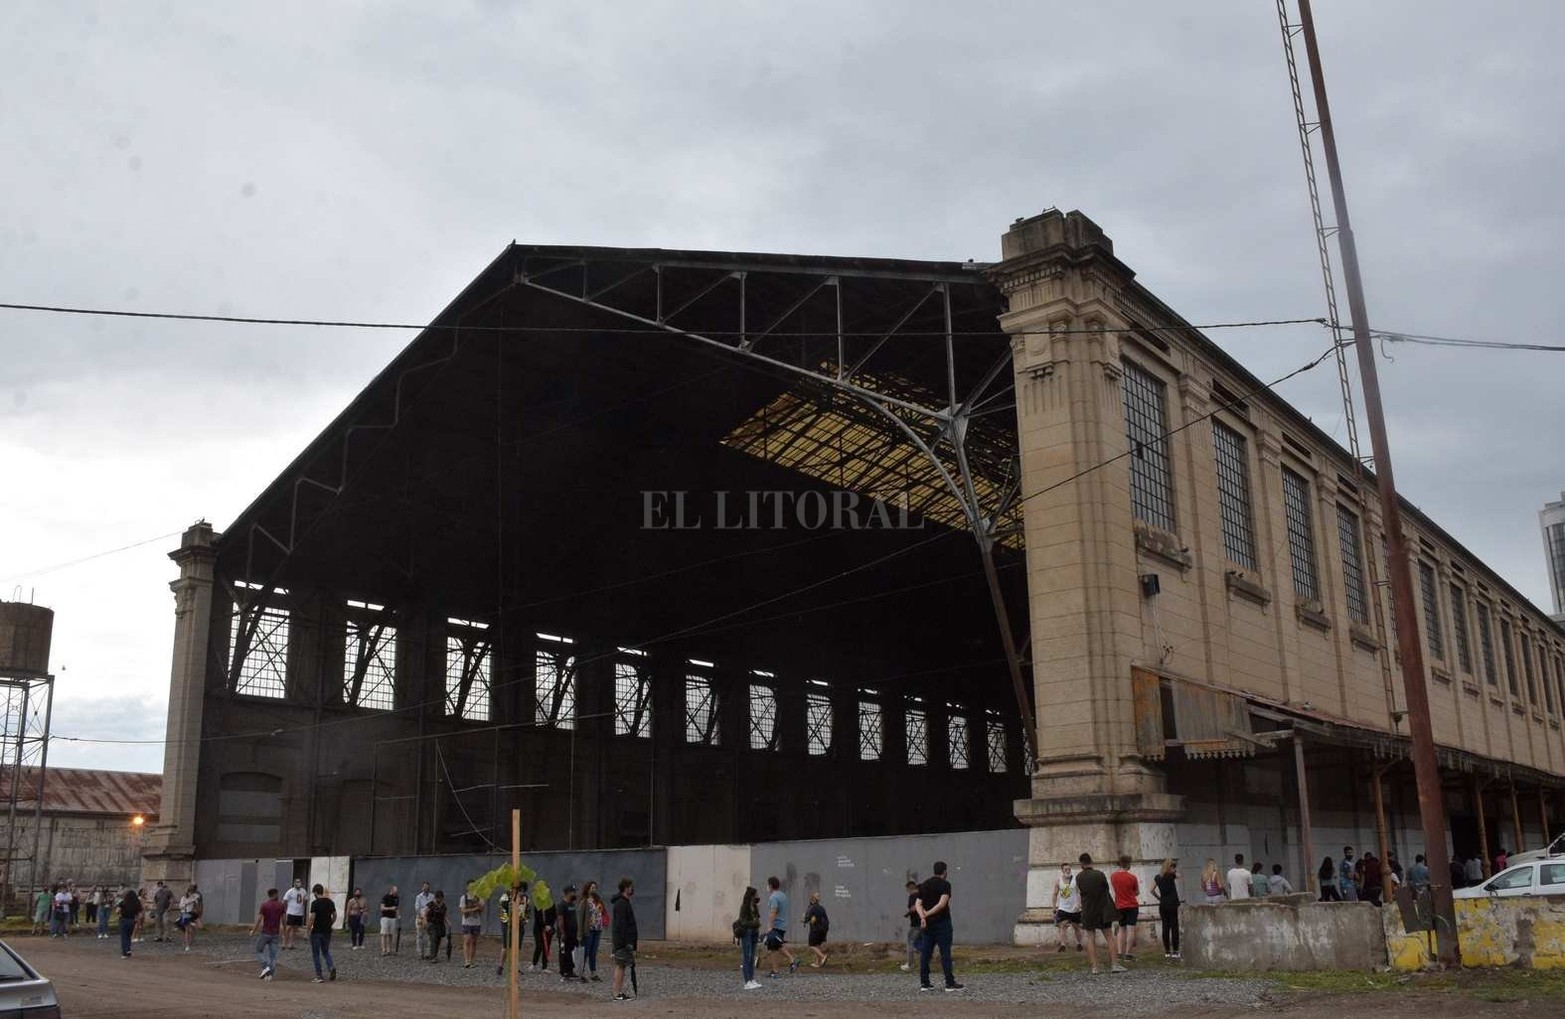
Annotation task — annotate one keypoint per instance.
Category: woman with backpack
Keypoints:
(818, 924)
(747, 928)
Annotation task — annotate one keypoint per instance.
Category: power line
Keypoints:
(350, 324)
(1456, 341)
(88, 558)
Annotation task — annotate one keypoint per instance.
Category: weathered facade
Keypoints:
(89, 832)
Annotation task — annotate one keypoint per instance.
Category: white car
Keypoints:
(1540, 877)
(1555, 849)
(24, 992)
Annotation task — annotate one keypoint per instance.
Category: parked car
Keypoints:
(1540, 877)
(1554, 849)
(24, 992)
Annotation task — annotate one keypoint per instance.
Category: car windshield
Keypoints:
(1516, 877)
(11, 969)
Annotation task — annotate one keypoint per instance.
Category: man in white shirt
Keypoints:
(295, 900)
(422, 899)
(1239, 879)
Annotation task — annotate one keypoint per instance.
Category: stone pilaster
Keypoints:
(169, 852)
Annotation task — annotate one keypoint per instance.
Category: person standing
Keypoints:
(389, 905)
(915, 929)
(1165, 889)
(569, 917)
(60, 920)
(76, 903)
(1458, 872)
(436, 918)
(817, 925)
(92, 906)
(471, 908)
(420, 902)
(1418, 875)
(130, 909)
(747, 928)
(105, 907)
(1127, 902)
(323, 917)
(1239, 879)
(503, 914)
(1067, 907)
(1373, 879)
(297, 901)
(597, 918)
(1327, 876)
(1211, 883)
(162, 899)
(190, 910)
(777, 927)
(623, 936)
(934, 914)
(1097, 912)
(543, 934)
(1277, 884)
(1347, 883)
(356, 909)
(43, 907)
(266, 930)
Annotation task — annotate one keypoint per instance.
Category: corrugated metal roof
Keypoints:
(83, 791)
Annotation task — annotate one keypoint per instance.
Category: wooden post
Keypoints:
(1483, 829)
(1516, 818)
(515, 947)
(1380, 831)
(1543, 814)
(1305, 835)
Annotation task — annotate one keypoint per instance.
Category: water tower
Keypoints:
(26, 698)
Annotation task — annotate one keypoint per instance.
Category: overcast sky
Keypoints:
(365, 161)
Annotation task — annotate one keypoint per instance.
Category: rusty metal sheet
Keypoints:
(1147, 698)
(1211, 723)
(89, 791)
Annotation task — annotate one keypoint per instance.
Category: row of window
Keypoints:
(259, 643)
(1152, 502)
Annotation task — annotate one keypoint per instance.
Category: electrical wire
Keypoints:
(88, 558)
(1456, 341)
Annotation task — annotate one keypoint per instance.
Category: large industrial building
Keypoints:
(1552, 519)
(672, 547)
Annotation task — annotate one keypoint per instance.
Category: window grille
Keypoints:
(1234, 512)
(632, 700)
(1532, 680)
(1510, 657)
(555, 686)
(1301, 535)
(956, 742)
(263, 663)
(467, 675)
(1434, 636)
(1486, 645)
(763, 717)
(917, 737)
(998, 762)
(1146, 431)
(700, 711)
(817, 724)
(1350, 537)
(1543, 676)
(1459, 635)
(872, 734)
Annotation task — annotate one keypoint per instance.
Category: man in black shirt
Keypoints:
(388, 919)
(914, 927)
(623, 936)
(130, 909)
(323, 917)
(934, 914)
(1097, 912)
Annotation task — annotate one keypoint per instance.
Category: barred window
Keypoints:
(956, 741)
(467, 670)
(1146, 431)
(1543, 676)
(1233, 495)
(1301, 535)
(258, 643)
(763, 716)
(1509, 653)
(632, 698)
(1464, 651)
(917, 737)
(1350, 537)
(1559, 679)
(1486, 644)
(817, 724)
(872, 733)
(1430, 592)
(554, 682)
(997, 757)
(700, 710)
(1532, 680)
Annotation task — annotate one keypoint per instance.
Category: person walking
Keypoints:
(266, 930)
(162, 899)
(436, 921)
(356, 908)
(1239, 879)
(543, 934)
(503, 914)
(389, 905)
(1127, 902)
(597, 915)
(1067, 907)
(915, 929)
(817, 925)
(747, 929)
(191, 906)
(1211, 883)
(777, 928)
(569, 918)
(471, 908)
(323, 918)
(934, 914)
(297, 901)
(1327, 876)
(1165, 889)
(1097, 912)
(420, 902)
(130, 910)
(623, 935)
(1277, 884)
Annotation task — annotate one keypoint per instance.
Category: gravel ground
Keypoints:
(1149, 990)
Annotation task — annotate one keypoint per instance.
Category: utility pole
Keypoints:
(1426, 767)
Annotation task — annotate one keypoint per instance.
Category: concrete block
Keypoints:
(1283, 934)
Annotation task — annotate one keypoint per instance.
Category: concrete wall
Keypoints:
(1526, 931)
(862, 881)
(1291, 933)
(705, 886)
(647, 867)
(232, 889)
(87, 850)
